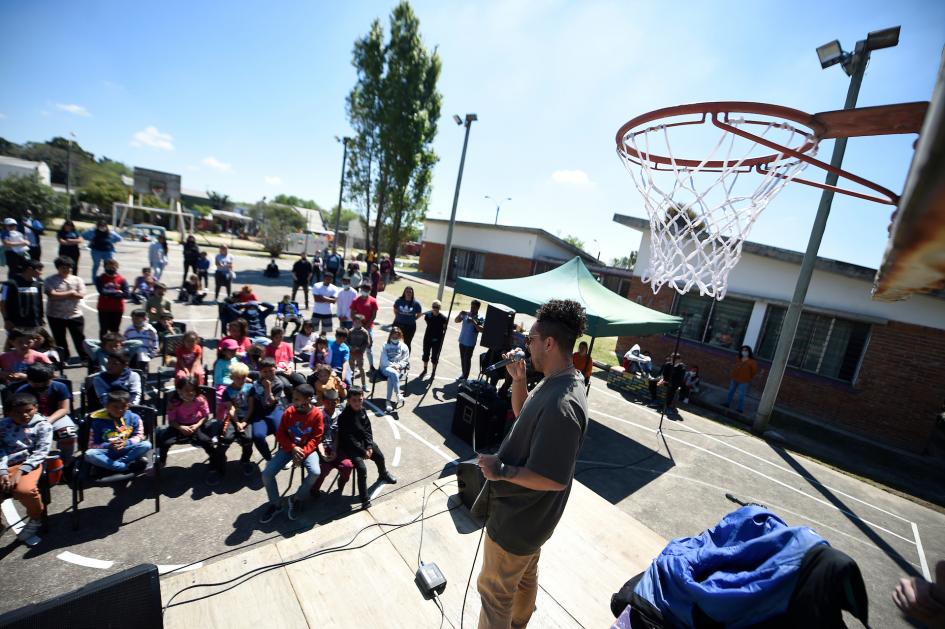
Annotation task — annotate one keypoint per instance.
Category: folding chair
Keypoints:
(208, 392)
(87, 475)
(171, 343)
(378, 376)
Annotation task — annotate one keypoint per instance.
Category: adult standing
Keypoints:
(529, 478)
(472, 326)
(15, 246)
(375, 276)
(343, 302)
(333, 264)
(324, 294)
(301, 276)
(744, 371)
(157, 256)
(191, 255)
(406, 312)
(65, 292)
(101, 244)
(366, 306)
(69, 241)
(223, 275)
(433, 336)
(32, 230)
(22, 297)
(356, 442)
(387, 268)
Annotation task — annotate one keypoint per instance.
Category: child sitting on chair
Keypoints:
(187, 412)
(321, 354)
(305, 341)
(324, 378)
(287, 312)
(116, 440)
(143, 287)
(192, 291)
(157, 304)
(143, 332)
(235, 423)
(190, 358)
(246, 295)
(52, 398)
(25, 439)
(226, 358)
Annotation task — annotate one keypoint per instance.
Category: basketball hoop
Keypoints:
(702, 210)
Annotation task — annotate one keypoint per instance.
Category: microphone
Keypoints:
(514, 358)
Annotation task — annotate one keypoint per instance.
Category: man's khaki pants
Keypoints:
(508, 586)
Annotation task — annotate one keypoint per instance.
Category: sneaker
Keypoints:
(269, 513)
(387, 477)
(389, 408)
(248, 468)
(27, 534)
(213, 478)
(294, 507)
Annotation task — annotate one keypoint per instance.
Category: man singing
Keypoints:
(529, 479)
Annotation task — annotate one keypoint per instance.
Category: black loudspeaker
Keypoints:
(470, 480)
(497, 330)
(131, 597)
(481, 414)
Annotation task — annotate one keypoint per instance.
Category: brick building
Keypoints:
(873, 368)
(483, 250)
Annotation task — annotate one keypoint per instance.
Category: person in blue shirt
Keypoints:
(33, 229)
(472, 326)
(101, 244)
(340, 353)
(332, 265)
(203, 268)
(406, 312)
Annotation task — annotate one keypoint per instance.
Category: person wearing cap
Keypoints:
(15, 246)
(117, 376)
(21, 297)
(356, 441)
(324, 294)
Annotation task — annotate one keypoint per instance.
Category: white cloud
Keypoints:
(150, 136)
(216, 164)
(2, 115)
(77, 110)
(571, 177)
(273, 180)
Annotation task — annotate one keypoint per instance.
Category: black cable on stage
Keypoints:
(462, 611)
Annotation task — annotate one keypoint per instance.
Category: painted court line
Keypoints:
(396, 461)
(11, 516)
(87, 562)
(918, 545)
(178, 567)
(393, 427)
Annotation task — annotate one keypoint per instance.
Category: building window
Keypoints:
(718, 323)
(466, 264)
(824, 344)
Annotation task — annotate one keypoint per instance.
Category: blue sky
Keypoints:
(246, 98)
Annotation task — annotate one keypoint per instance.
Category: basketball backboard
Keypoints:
(165, 186)
(914, 261)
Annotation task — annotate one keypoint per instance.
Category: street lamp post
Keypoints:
(854, 64)
(498, 205)
(69, 165)
(341, 191)
(470, 118)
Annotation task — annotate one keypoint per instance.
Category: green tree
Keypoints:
(625, 262)
(102, 192)
(18, 194)
(295, 201)
(202, 210)
(219, 201)
(574, 241)
(274, 236)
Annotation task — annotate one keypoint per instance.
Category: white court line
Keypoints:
(87, 562)
(180, 450)
(178, 567)
(762, 459)
(918, 545)
(396, 461)
(393, 427)
(11, 516)
(95, 294)
(377, 490)
(445, 456)
(759, 473)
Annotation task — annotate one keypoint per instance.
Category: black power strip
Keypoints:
(430, 580)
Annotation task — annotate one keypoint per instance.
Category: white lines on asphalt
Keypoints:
(371, 405)
(377, 490)
(762, 474)
(410, 432)
(11, 516)
(87, 562)
(180, 450)
(178, 567)
(393, 427)
(760, 458)
(918, 546)
(95, 294)
(396, 461)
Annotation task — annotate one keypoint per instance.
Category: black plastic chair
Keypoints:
(377, 376)
(169, 349)
(87, 475)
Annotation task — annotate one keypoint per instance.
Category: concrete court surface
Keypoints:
(675, 483)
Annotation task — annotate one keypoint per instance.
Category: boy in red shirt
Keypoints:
(364, 304)
(298, 436)
(112, 290)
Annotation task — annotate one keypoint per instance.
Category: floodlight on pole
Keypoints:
(444, 266)
(341, 191)
(854, 64)
(498, 206)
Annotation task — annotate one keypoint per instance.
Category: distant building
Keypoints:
(15, 167)
(865, 366)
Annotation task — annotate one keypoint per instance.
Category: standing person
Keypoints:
(583, 362)
(21, 299)
(472, 326)
(301, 276)
(191, 255)
(356, 442)
(433, 336)
(324, 295)
(354, 274)
(529, 478)
(101, 244)
(673, 377)
(359, 341)
(25, 439)
(343, 303)
(157, 256)
(395, 360)
(69, 241)
(743, 373)
(64, 294)
(316, 268)
(406, 312)
(15, 246)
(387, 268)
(112, 291)
(375, 276)
(32, 230)
(223, 275)
(366, 306)
(203, 268)
(333, 264)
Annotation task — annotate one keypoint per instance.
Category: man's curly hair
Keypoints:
(564, 320)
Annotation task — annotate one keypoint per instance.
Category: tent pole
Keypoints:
(590, 352)
(675, 351)
(448, 319)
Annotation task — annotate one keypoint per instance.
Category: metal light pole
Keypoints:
(470, 118)
(341, 191)
(498, 205)
(854, 64)
(69, 165)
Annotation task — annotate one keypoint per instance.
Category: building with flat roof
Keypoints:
(16, 167)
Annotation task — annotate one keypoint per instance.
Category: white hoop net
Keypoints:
(699, 216)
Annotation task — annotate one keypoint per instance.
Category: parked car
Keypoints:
(144, 232)
(412, 248)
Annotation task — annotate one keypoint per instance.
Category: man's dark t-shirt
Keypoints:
(545, 438)
(302, 270)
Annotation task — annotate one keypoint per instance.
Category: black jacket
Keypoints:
(24, 302)
(191, 252)
(302, 270)
(354, 432)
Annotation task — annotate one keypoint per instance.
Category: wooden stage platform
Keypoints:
(594, 550)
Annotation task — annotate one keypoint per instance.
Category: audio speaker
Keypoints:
(479, 418)
(136, 593)
(470, 480)
(497, 330)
